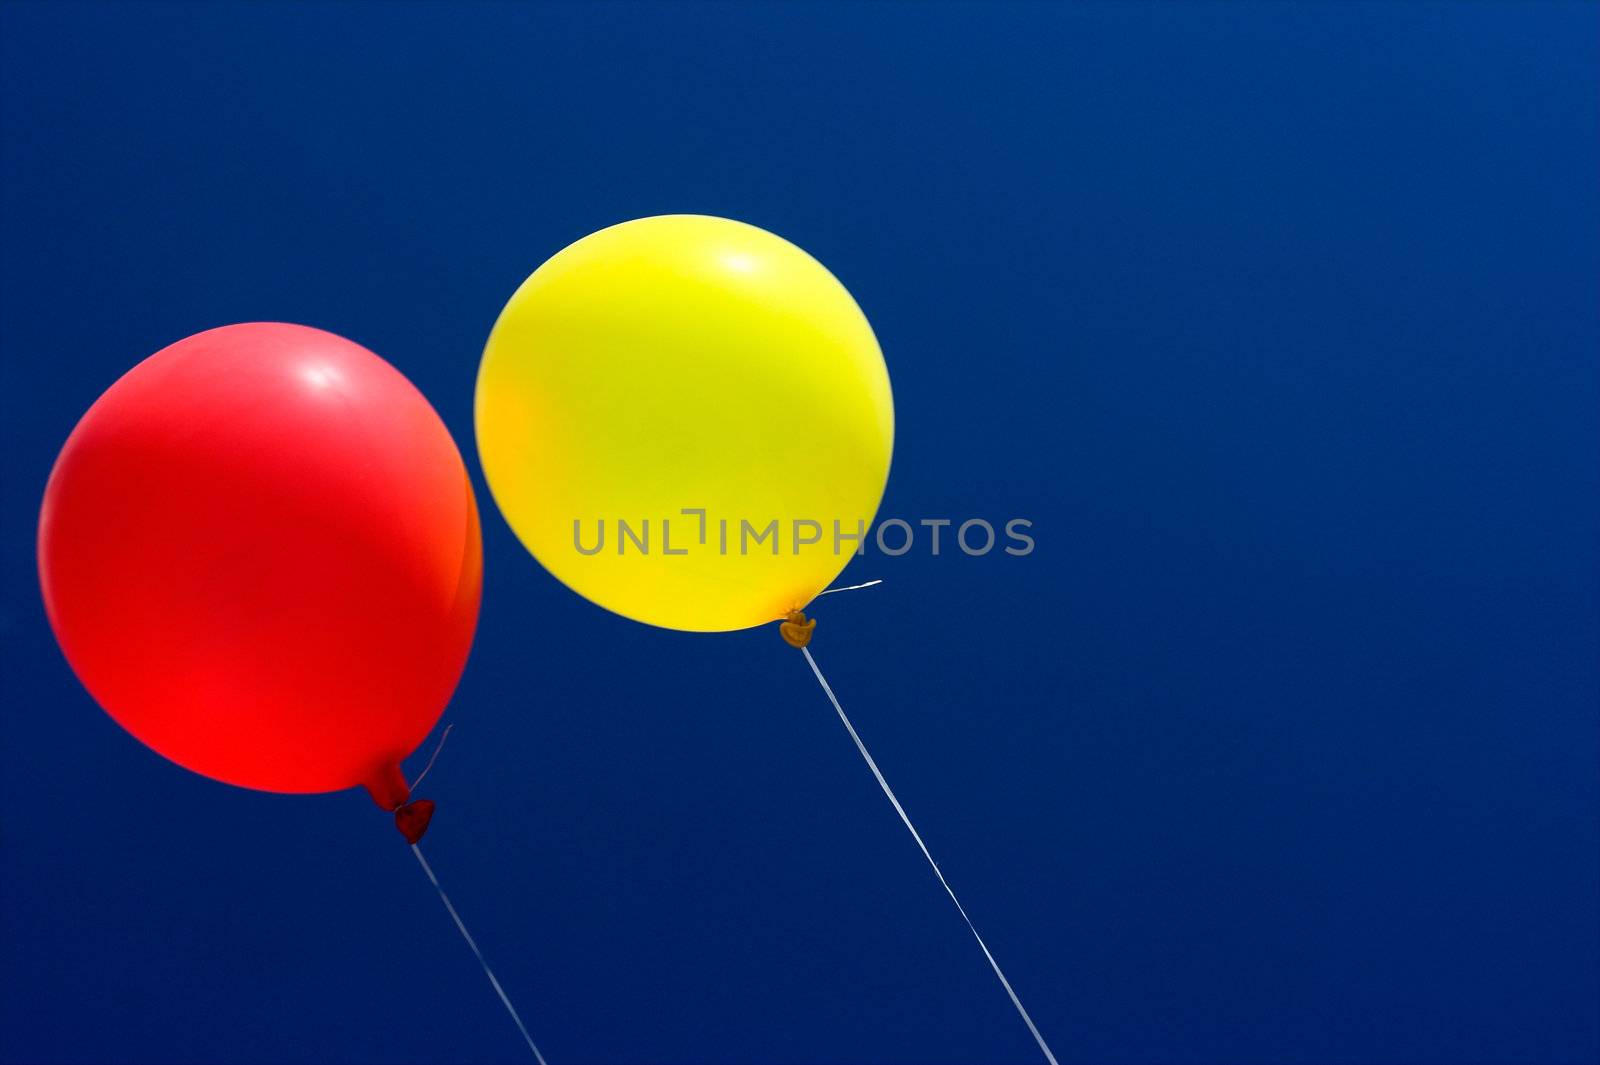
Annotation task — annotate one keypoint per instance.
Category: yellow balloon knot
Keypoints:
(795, 629)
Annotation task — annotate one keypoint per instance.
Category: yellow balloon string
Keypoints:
(906, 820)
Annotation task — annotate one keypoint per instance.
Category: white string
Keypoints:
(888, 791)
(852, 588)
(435, 758)
(426, 868)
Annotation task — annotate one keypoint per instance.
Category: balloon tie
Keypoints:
(796, 629)
(906, 820)
(412, 816)
(456, 917)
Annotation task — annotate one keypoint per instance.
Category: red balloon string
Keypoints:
(498, 990)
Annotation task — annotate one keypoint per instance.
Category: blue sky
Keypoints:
(1277, 320)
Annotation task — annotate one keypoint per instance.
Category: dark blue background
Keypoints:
(1280, 323)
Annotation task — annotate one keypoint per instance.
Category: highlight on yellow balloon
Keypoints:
(687, 420)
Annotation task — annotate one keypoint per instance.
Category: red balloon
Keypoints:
(260, 553)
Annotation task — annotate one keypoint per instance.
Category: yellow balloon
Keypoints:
(687, 420)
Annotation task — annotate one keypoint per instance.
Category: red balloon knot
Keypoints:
(412, 819)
